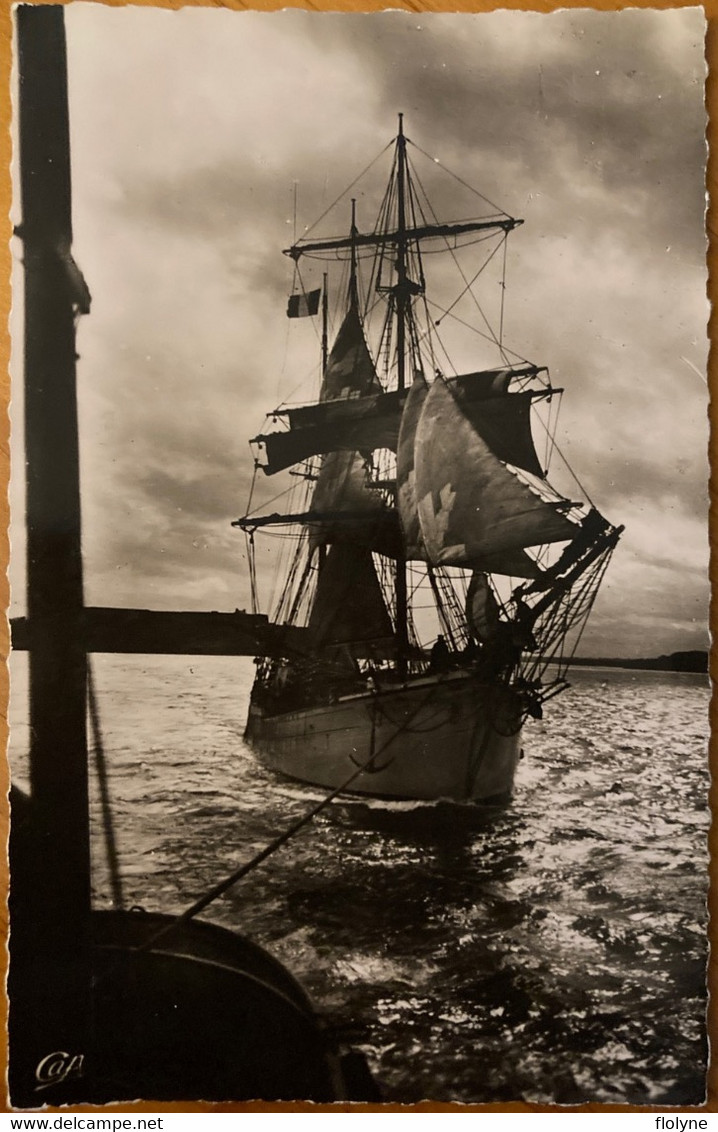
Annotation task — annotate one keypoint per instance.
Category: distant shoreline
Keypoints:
(695, 660)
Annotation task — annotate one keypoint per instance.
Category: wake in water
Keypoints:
(553, 951)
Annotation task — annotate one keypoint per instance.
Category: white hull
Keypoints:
(434, 737)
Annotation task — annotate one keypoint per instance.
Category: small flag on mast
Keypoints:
(300, 306)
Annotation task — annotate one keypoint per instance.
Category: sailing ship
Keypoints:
(438, 582)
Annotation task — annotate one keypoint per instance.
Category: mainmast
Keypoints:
(401, 291)
(325, 324)
(403, 301)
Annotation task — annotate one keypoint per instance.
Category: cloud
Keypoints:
(189, 132)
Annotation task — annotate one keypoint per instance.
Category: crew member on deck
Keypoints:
(440, 657)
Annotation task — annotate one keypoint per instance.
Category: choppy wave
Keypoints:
(556, 953)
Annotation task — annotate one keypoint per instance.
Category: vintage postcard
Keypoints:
(359, 710)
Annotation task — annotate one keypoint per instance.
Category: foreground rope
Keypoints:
(229, 881)
(101, 766)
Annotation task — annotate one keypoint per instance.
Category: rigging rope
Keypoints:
(503, 243)
(282, 838)
(480, 333)
(101, 766)
(569, 469)
(445, 169)
(347, 189)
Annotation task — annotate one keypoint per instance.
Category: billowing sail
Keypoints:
(348, 606)
(515, 563)
(482, 608)
(469, 504)
(406, 472)
(502, 422)
(362, 421)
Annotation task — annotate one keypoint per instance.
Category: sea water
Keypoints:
(554, 954)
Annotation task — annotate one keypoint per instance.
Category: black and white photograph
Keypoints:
(359, 557)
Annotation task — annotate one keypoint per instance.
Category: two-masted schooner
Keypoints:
(438, 583)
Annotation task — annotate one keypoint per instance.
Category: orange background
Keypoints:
(711, 11)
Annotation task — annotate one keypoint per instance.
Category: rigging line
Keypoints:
(286, 403)
(299, 593)
(249, 547)
(415, 340)
(282, 838)
(470, 284)
(278, 573)
(434, 334)
(492, 333)
(347, 189)
(570, 470)
(428, 333)
(554, 411)
(480, 333)
(445, 169)
(596, 583)
(492, 336)
(282, 601)
(421, 577)
(252, 486)
(467, 240)
(283, 366)
(101, 766)
(294, 220)
(269, 502)
(313, 320)
(440, 608)
(505, 243)
(478, 239)
(254, 594)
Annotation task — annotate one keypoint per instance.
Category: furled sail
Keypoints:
(349, 607)
(469, 503)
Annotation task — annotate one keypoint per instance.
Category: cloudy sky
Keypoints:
(189, 130)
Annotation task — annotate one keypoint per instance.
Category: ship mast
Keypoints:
(403, 300)
(325, 325)
(396, 241)
(353, 285)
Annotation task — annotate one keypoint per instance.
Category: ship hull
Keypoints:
(436, 737)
